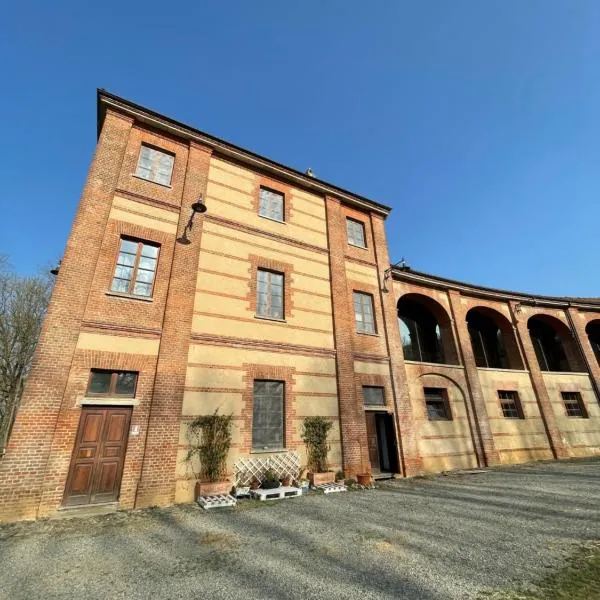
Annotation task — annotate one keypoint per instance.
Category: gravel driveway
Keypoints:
(436, 538)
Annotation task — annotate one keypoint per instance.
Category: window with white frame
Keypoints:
(356, 232)
(269, 294)
(155, 165)
(363, 312)
(270, 204)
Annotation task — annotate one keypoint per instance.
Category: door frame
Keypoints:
(385, 429)
(95, 473)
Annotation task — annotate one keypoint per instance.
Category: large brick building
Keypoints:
(276, 303)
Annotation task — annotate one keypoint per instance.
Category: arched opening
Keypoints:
(493, 341)
(593, 333)
(426, 330)
(554, 345)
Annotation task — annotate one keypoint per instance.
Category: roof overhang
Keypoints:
(222, 148)
(408, 275)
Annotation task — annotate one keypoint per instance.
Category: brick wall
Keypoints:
(38, 417)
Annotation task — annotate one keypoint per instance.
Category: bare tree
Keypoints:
(23, 305)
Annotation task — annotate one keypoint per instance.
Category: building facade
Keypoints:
(199, 276)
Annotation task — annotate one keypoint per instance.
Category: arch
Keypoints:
(592, 329)
(492, 339)
(426, 330)
(554, 344)
(450, 380)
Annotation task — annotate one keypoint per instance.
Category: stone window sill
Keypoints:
(269, 451)
(275, 319)
(129, 296)
(103, 400)
(272, 219)
(357, 246)
(169, 187)
(365, 333)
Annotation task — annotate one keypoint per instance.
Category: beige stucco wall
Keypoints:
(443, 445)
(222, 305)
(517, 440)
(139, 213)
(580, 436)
(215, 381)
(231, 191)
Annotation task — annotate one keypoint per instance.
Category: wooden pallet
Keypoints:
(217, 501)
(279, 493)
(330, 488)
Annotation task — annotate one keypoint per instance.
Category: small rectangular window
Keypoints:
(363, 312)
(135, 269)
(268, 415)
(511, 404)
(270, 204)
(112, 383)
(356, 233)
(436, 402)
(574, 405)
(373, 395)
(155, 165)
(269, 294)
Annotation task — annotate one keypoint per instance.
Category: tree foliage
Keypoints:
(23, 305)
(314, 435)
(210, 441)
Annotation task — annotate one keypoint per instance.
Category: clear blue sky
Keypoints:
(477, 121)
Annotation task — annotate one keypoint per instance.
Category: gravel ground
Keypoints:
(426, 539)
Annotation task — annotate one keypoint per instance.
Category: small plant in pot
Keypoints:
(339, 477)
(314, 436)
(286, 481)
(270, 480)
(210, 441)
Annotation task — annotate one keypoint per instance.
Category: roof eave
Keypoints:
(221, 147)
(491, 293)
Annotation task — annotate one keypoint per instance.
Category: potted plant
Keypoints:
(339, 477)
(314, 435)
(286, 481)
(254, 483)
(210, 441)
(270, 480)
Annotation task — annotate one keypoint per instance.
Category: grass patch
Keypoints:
(579, 579)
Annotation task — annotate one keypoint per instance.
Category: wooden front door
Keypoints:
(97, 462)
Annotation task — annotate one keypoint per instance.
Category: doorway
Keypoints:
(382, 443)
(98, 457)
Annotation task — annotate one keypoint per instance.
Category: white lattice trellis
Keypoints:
(284, 464)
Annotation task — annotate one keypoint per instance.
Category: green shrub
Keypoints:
(314, 435)
(210, 441)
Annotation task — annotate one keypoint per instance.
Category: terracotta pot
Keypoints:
(321, 478)
(212, 488)
(363, 478)
(286, 481)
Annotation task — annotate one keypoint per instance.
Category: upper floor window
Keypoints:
(511, 404)
(356, 233)
(112, 383)
(363, 312)
(268, 415)
(270, 204)
(269, 294)
(574, 405)
(135, 269)
(155, 165)
(373, 395)
(436, 402)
